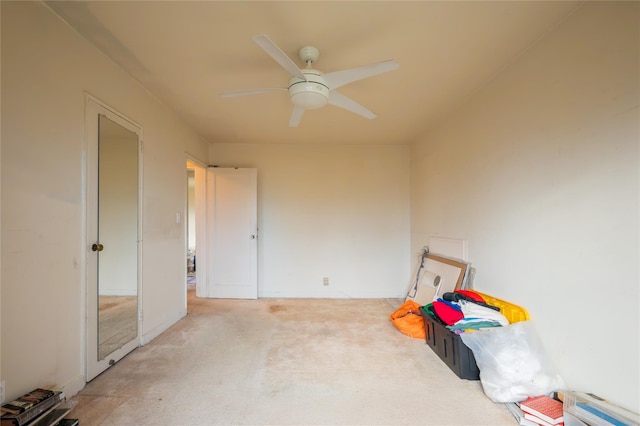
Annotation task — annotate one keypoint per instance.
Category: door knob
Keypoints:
(97, 247)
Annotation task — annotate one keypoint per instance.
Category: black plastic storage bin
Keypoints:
(450, 348)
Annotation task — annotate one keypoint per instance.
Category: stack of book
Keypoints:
(518, 414)
(572, 408)
(543, 410)
(41, 407)
(589, 409)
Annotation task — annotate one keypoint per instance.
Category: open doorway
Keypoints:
(195, 256)
(191, 230)
(221, 233)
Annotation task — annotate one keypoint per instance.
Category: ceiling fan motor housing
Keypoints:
(310, 94)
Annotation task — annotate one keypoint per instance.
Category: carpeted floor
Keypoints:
(285, 362)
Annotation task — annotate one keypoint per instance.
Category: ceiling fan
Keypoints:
(309, 88)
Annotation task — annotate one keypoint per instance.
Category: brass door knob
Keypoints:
(97, 247)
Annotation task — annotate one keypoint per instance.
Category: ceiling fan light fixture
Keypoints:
(309, 88)
(312, 93)
(309, 100)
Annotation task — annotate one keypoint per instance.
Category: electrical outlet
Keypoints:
(2, 392)
(325, 281)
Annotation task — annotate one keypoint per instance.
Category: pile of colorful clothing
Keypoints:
(464, 310)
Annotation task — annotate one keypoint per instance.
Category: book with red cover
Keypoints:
(538, 420)
(545, 408)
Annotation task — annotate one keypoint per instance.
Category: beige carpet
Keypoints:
(285, 362)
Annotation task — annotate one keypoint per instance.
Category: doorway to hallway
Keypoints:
(195, 230)
(221, 232)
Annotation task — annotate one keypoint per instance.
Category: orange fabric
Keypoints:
(408, 320)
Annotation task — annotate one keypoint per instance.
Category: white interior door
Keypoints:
(232, 229)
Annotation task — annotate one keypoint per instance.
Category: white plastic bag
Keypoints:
(512, 362)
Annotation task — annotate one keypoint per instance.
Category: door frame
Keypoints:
(94, 107)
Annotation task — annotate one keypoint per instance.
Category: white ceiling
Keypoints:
(188, 52)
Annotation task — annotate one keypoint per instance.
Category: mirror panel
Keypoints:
(117, 264)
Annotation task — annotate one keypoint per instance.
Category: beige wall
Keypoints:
(539, 172)
(335, 211)
(46, 69)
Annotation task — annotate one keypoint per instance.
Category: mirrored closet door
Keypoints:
(113, 237)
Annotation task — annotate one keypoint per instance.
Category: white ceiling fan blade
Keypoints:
(251, 92)
(340, 100)
(340, 78)
(296, 116)
(278, 55)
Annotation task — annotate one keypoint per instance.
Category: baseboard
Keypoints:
(333, 294)
(74, 386)
(158, 330)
